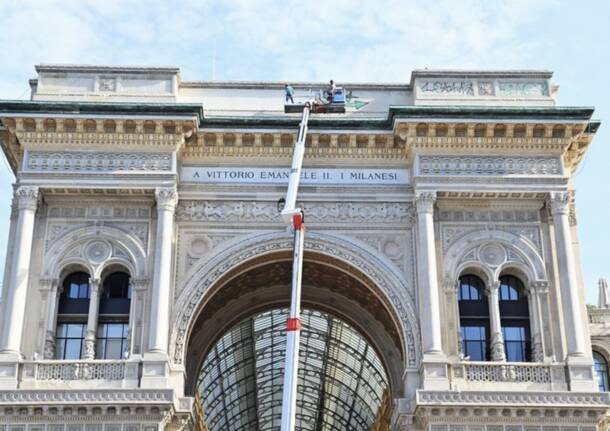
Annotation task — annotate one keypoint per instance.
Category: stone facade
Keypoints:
(176, 183)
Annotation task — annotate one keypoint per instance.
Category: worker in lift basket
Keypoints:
(289, 93)
(330, 92)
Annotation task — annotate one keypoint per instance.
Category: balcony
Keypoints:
(513, 376)
(79, 374)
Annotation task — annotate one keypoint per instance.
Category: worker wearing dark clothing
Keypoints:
(331, 91)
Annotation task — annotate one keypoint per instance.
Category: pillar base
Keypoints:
(155, 370)
(435, 372)
(9, 370)
(581, 377)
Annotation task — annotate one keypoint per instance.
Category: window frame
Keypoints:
(59, 338)
(603, 384)
(105, 339)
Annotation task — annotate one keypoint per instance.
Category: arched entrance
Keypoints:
(341, 380)
(254, 278)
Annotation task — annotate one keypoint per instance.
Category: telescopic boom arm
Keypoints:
(294, 216)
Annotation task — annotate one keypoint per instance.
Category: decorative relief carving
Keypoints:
(107, 84)
(560, 202)
(488, 165)
(451, 233)
(167, 198)
(523, 89)
(424, 201)
(479, 398)
(395, 246)
(492, 254)
(93, 211)
(27, 197)
(317, 212)
(223, 262)
(82, 161)
(485, 215)
(98, 251)
(448, 87)
(486, 88)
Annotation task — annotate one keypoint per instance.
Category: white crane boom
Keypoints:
(294, 216)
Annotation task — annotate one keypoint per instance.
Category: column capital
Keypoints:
(27, 197)
(493, 287)
(451, 285)
(139, 284)
(94, 284)
(560, 202)
(539, 287)
(167, 198)
(424, 202)
(48, 283)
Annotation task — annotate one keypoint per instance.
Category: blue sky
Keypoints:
(348, 40)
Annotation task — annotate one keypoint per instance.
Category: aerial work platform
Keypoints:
(319, 105)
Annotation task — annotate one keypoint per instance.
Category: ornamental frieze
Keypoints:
(83, 161)
(319, 212)
(488, 165)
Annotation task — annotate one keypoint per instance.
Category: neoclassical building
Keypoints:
(148, 270)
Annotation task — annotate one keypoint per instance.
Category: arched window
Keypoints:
(601, 371)
(72, 316)
(113, 326)
(515, 319)
(474, 317)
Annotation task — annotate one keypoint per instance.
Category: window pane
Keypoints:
(515, 343)
(113, 349)
(601, 370)
(74, 330)
(474, 339)
(60, 345)
(73, 347)
(114, 330)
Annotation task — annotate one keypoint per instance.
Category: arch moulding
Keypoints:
(95, 248)
(492, 252)
(200, 286)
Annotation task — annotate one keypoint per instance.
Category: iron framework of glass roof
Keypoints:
(341, 378)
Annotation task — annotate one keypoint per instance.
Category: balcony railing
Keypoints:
(58, 370)
(599, 316)
(503, 372)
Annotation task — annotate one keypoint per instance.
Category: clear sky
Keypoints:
(348, 40)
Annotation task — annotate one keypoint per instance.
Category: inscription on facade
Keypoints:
(312, 176)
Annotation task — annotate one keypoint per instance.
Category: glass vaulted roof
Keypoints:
(340, 385)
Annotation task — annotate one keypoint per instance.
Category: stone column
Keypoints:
(16, 291)
(52, 291)
(495, 326)
(94, 310)
(568, 279)
(429, 307)
(167, 198)
(536, 320)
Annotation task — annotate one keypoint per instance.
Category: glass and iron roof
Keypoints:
(340, 385)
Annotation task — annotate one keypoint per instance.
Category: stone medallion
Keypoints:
(98, 251)
(492, 254)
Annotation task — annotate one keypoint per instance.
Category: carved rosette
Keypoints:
(27, 198)
(560, 203)
(167, 198)
(424, 202)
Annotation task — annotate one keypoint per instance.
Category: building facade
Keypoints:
(148, 270)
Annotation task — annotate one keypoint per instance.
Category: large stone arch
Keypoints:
(95, 248)
(201, 283)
